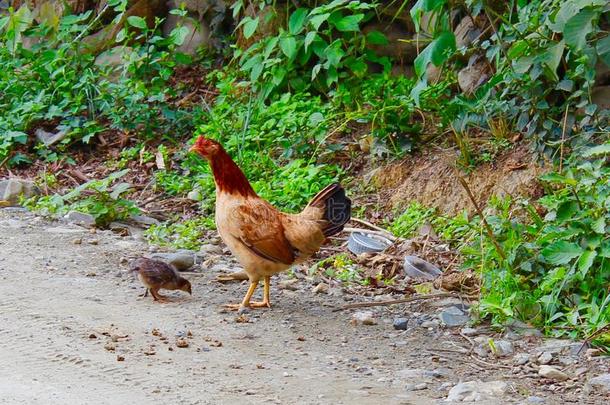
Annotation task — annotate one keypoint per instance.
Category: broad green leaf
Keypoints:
(586, 261)
(121, 35)
(551, 59)
(318, 20)
(561, 252)
(599, 225)
(119, 189)
(599, 150)
(315, 71)
(288, 45)
(136, 21)
(567, 210)
(250, 27)
(603, 49)
(376, 38)
(309, 38)
(443, 47)
(349, 23)
(297, 20)
(578, 27)
(334, 53)
(558, 178)
(517, 49)
(178, 35)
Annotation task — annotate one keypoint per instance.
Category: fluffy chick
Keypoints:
(156, 274)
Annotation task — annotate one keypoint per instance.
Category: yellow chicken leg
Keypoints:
(266, 302)
(246, 301)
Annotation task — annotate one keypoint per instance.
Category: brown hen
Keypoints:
(265, 240)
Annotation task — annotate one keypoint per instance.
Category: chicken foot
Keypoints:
(157, 296)
(266, 303)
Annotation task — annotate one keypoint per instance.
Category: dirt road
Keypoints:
(74, 331)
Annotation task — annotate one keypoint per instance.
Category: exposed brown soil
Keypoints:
(430, 178)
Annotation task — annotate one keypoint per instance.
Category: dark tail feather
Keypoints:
(337, 208)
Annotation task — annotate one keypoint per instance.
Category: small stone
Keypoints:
(552, 373)
(182, 343)
(94, 242)
(110, 346)
(599, 384)
(521, 359)
(144, 220)
(289, 284)
(155, 332)
(545, 358)
(453, 316)
(535, 400)
(364, 317)
(429, 324)
(12, 190)
(416, 387)
(120, 358)
(92, 336)
(80, 218)
(468, 331)
(194, 195)
(401, 323)
(77, 241)
(150, 351)
(182, 260)
(321, 288)
(114, 337)
(590, 353)
(477, 391)
(502, 348)
(210, 249)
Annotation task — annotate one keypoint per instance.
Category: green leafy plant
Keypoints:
(554, 268)
(319, 46)
(99, 198)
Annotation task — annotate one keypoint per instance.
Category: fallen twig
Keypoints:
(372, 226)
(398, 301)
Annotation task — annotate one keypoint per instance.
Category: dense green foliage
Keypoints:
(552, 269)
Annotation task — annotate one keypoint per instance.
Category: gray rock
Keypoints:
(600, 384)
(453, 316)
(209, 249)
(523, 328)
(601, 96)
(545, 358)
(194, 195)
(416, 387)
(552, 373)
(474, 391)
(364, 317)
(535, 400)
(113, 59)
(468, 331)
(474, 75)
(321, 288)
(12, 190)
(521, 359)
(401, 323)
(198, 35)
(50, 138)
(289, 284)
(144, 220)
(80, 218)
(503, 348)
(182, 260)
(466, 32)
(430, 324)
